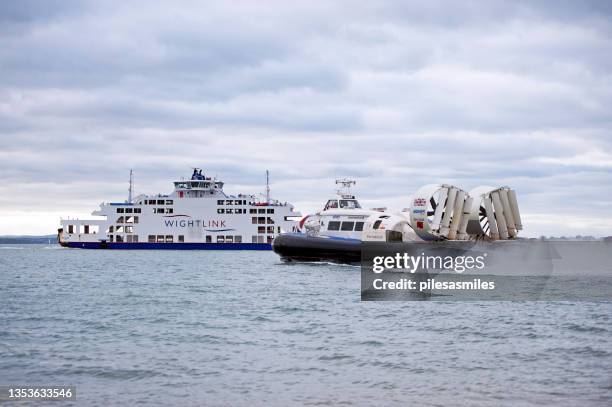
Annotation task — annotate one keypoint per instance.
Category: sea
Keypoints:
(240, 328)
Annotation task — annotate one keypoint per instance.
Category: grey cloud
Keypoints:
(397, 94)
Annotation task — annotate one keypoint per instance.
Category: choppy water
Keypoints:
(241, 328)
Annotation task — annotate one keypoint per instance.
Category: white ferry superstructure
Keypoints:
(197, 215)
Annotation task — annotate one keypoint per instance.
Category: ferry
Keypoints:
(197, 215)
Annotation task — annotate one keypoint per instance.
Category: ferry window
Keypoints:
(135, 219)
(278, 229)
(220, 202)
(169, 210)
(128, 238)
(261, 211)
(119, 239)
(120, 219)
(358, 226)
(261, 220)
(70, 228)
(252, 210)
(229, 202)
(377, 224)
(111, 228)
(129, 229)
(135, 239)
(333, 225)
(208, 239)
(151, 238)
(254, 220)
(261, 229)
(136, 210)
(271, 229)
(270, 221)
(128, 210)
(253, 239)
(229, 239)
(169, 202)
(120, 210)
(270, 210)
(160, 201)
(347, 226)
(169, 239)
(160, 238)
(220, 239)
(110, 238)
(229, 210)
(86, 229)
(270, 239)
(181, 238)
(260, 239)
(220, 210)
(237, 239)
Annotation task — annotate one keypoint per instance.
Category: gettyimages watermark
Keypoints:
(411, 263)
(482, 271)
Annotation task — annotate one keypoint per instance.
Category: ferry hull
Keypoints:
(167, 246)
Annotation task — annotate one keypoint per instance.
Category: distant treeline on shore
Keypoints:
(28, 239)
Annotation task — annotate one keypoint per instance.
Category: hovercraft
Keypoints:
(437, 213)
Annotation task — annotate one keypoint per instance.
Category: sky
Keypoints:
(395, 94)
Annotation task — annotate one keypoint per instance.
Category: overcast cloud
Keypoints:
(395, 94)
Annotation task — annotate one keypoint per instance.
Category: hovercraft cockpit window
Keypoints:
(349, 204)
(331, 204)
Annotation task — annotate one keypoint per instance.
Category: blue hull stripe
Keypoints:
(170, 246)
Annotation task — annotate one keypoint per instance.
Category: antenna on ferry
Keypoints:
(131, 189)
(267, 186)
